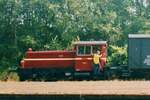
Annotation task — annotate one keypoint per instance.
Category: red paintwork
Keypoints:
(103, 58)
(48, 59)
(61, 59)
(50, 54)
(48, 63)
(83, 63)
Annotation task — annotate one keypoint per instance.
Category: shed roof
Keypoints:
(139, 35)
(90, 42)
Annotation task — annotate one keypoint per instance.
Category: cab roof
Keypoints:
(90, 43)
(139, 35)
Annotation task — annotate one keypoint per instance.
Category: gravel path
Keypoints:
(77, 88)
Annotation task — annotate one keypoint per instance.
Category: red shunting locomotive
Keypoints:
(47, 64)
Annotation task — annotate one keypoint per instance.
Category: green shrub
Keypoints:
(12, 76)
(9, 76)
(4, 75)
(117, 56)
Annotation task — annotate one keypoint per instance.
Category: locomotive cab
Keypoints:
(84, 55)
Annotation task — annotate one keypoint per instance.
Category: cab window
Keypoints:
(88, 50)
(80, 50)
(84, 50)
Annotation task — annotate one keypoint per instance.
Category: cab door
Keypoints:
(83, 59)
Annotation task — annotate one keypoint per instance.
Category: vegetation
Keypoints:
(54, 24)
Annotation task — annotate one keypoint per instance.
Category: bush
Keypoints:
(12, 76)
(4, 75)
(117, 56)
(9, 76)
(5, 66)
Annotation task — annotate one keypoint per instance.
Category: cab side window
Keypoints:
(95, 48)
(88, 50)
(84, 50)
(80, 50)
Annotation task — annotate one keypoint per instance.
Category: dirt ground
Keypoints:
(77, 88)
